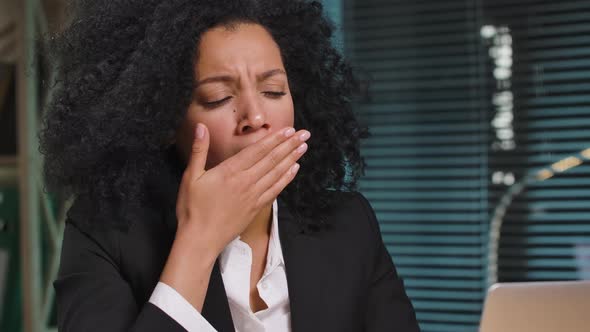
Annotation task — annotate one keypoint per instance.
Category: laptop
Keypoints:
(560, 306)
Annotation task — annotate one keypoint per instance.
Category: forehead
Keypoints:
(243, 45)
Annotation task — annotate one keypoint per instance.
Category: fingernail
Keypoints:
(294, 168)
(200, 131)
(289, 132)
(302, 148)
(303, 137)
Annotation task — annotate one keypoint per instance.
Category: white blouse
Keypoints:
(236, 265)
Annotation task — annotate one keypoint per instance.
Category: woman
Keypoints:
(198, 205)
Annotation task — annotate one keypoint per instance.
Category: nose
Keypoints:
(252, 116)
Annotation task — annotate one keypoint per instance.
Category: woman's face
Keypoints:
(241, 92)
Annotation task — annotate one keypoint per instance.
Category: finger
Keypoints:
(200, 148)
(268, 179)
(273, 192)
(276, 156)
(250, 155)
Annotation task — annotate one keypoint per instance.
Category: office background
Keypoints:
(477, 167)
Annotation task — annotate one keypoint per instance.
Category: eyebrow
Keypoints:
(228, 78)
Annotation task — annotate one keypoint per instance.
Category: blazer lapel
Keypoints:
(303, 265)
(216, 307)
(305, 278)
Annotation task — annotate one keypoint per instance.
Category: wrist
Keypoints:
(188, 270)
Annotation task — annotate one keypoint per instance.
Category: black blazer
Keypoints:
(340, 278)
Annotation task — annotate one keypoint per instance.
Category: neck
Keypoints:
(259, 228)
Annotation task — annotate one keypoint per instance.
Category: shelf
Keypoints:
(8, 170)
(8, 160)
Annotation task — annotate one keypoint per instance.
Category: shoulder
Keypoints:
(352, 239)
(137, 251)
(87, 229)
(100, 223)
(354, 208)
(351, 220)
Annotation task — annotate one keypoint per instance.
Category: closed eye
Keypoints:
(216, 103)
(274, 94)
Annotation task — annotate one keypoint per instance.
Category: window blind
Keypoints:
(466, 100)
(427, 170)
(546, 230)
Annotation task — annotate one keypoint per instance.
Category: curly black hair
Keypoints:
(124, 82)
